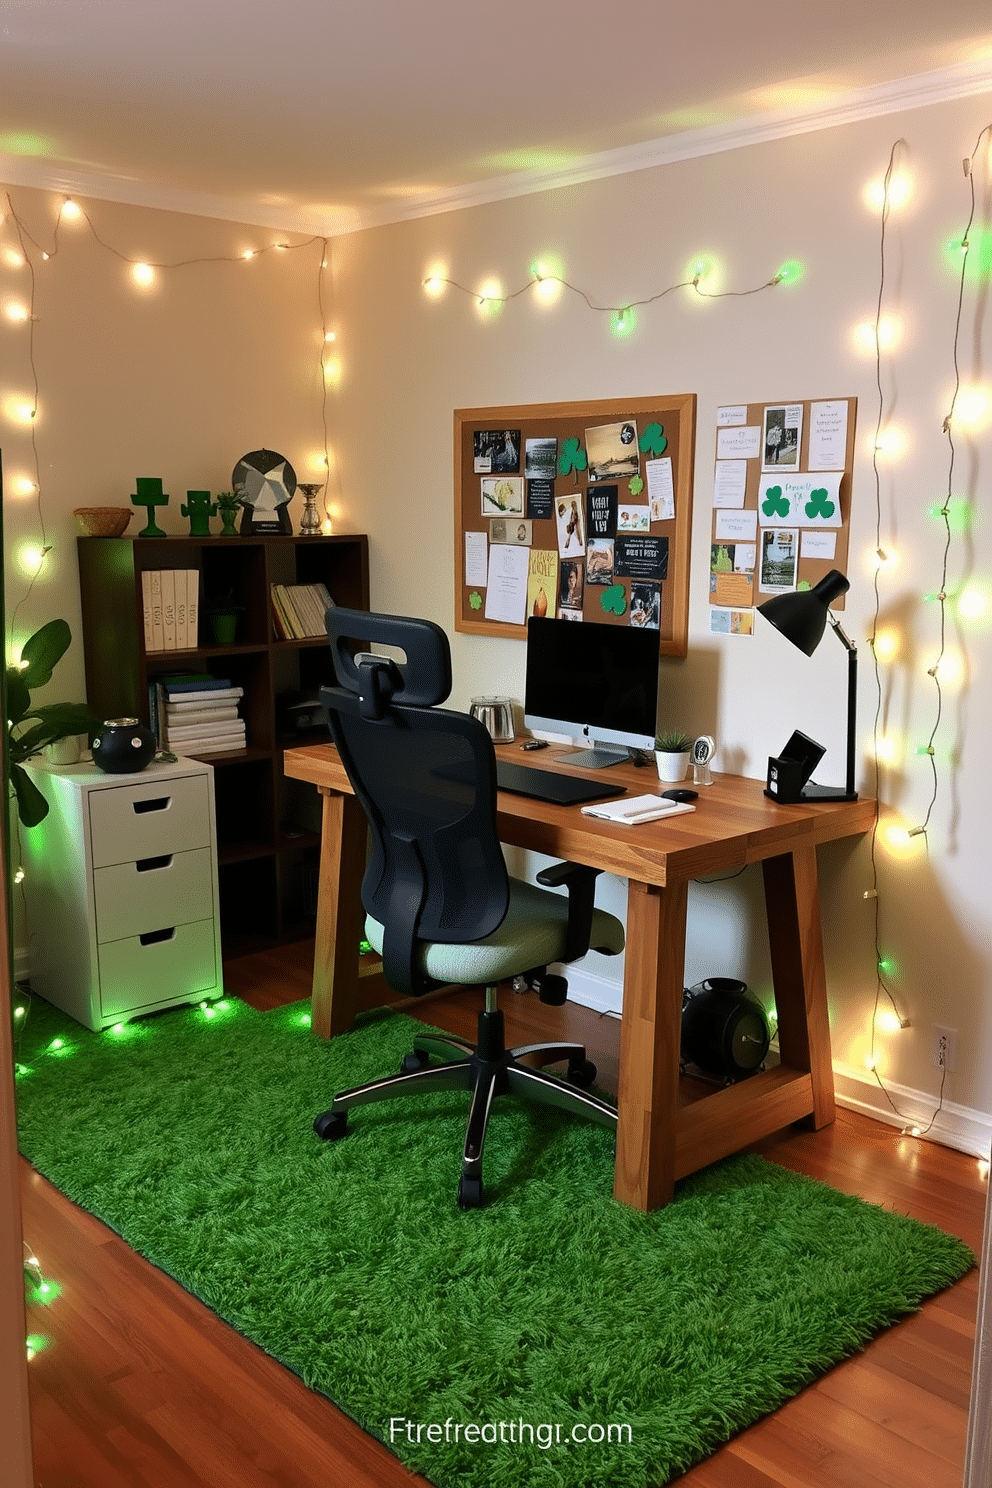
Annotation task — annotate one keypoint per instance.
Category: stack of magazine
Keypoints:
(197, 714)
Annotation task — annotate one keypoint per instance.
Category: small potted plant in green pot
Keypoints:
(671, 751)
(224, 615)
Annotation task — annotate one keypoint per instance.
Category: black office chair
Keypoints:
(441, 907)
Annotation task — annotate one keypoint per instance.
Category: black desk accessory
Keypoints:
(802, 617)
(724, 1029)
(789, 771)
(548, 785)
(680, 794)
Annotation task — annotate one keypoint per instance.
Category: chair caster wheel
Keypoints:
(581, 1074)
(418, 1060)
(469, 1193)
(330, 1125)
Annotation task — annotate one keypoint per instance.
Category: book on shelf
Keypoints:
(184, 713)
(170, 603)
(219, 744)
(204, 730)
(298, 610)
(204, 695)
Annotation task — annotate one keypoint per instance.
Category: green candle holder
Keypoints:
(150, 494)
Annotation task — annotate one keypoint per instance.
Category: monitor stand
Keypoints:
(600, 757)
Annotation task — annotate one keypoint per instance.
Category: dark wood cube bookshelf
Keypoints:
(268, 827)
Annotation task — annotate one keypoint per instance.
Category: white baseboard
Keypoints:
(20, 963)
(599, 993)
(960, 1127)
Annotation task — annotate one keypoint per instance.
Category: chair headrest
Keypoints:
(421, 681)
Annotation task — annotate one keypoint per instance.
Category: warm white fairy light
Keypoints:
(898, 191)
(19, 410)
(70, 211)
(886, 644)
(143, 274)
(17, 311)
(972, 408)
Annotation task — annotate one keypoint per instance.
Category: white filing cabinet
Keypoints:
(121, 890)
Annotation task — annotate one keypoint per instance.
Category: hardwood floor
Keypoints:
(139, 1384)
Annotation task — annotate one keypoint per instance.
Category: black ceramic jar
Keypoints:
(123, 746)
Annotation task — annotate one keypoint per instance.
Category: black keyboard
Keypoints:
(549, 785)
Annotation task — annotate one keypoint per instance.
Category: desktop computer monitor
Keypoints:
(600, 681)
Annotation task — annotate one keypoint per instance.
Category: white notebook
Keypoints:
(630, 811)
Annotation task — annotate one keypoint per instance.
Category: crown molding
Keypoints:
(945, 85)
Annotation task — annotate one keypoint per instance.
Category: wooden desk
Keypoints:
(734, 824)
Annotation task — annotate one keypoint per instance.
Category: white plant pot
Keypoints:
(672, 767)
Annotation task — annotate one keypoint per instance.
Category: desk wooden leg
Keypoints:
(649, 1045)
(340, 917)
(792, 904)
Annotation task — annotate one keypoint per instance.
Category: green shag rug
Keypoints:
(552, 1337)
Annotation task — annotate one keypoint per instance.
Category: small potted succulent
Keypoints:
(672, 750)
(224, 613)
(228, 505)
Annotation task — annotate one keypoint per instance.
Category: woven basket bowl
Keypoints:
(102, 521)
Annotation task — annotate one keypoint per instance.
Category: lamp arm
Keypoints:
(852, 697)
(838, 630)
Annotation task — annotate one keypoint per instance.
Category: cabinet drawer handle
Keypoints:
(148, 865)
(154, 937)
(156, 803)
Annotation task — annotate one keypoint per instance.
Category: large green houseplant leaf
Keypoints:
(32, 726)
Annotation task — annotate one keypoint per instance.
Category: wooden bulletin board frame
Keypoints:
(809, 570)
(675, 416)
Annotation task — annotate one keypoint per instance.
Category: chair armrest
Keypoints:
(580, 881)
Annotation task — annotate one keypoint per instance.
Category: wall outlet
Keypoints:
(945, 1048)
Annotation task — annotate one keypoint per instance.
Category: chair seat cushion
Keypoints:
(532, 934)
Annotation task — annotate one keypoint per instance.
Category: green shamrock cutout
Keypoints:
(614, 601)
(571, 457)
(653, 441)
(819, 504)
(635, 485)
(475, 600)
(775, 504)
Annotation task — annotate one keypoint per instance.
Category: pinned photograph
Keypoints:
(511, 530)
(496, 450)
(542, 581)
(632, 518)
(503, 496)
(779, 551)
(571, 527)
(541, 459)
(645, 606)
(599, 562)
(570, 584)
(612, 452)
(781, 437)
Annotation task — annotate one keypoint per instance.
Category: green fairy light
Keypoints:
(790, 272)
(622, 322)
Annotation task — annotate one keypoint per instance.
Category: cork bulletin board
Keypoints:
(577, 510)
(781, 503)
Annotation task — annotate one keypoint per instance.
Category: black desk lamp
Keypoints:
(802, 617)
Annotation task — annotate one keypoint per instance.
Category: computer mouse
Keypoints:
(535, 744)
(680, 795)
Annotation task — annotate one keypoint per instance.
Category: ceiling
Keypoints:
(328, 114)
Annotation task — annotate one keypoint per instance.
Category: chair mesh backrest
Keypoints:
(426, 777)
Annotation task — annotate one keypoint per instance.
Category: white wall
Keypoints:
(407, 360)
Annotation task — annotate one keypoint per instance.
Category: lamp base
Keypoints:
(813, 792)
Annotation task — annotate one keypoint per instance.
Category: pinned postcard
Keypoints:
(542, 581)
(732, 622)
(571, 527)
(827, 435)
(731, 575)
(782, 436)
(601, 511)
(476, 558)
(570, 583)
(644, 556)
(599, 561)
(612, 451)
(541, 459)
(511, 530)
(632, 518)
(503, 495)
(645, 605)
(661, 489)
(540, 499)
(506, 594)
(779, 551)
(739, 443)
(800, 500)
(494, 450)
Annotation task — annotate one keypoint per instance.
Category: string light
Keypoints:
(143, 274)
